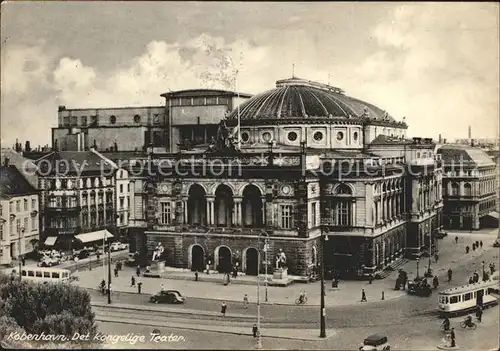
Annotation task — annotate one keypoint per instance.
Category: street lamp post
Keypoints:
(19, 253)
(109, 273)
(482, 264)
(322, 318)
(259, 340)
(417, 267)
(266, 249)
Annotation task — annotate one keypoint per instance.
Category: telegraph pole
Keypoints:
(322, 317)
(259, 340)
(109, 273)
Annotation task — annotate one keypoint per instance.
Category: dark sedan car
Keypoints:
(168, 296)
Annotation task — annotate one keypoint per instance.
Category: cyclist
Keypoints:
(468, 321)
(302, 297)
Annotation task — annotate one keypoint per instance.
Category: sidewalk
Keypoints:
(349, 292)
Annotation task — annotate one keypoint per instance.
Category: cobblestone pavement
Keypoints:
(349, 292)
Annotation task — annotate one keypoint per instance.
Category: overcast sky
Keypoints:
(436, 64)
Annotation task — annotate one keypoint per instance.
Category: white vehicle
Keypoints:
(117, 246)
(40, 274)
(465, 299)
(47, 261)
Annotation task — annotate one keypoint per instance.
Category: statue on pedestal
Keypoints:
(280, 259)
(157, 252)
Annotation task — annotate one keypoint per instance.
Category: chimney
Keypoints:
(470, 132)
(417, 140)
(440, 139)
(444, 141)
(61, 108)
(6, 162)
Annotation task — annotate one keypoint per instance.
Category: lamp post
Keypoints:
(259, 340)
(482, 264)
(430, 253)
(109, 273)
(266, 249)
(19, 253)
(417, 266)
(322, 318)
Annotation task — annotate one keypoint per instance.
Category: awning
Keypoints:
(493, 214)
(50, 241)
(94, 236)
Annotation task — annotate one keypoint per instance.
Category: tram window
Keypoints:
(38, 274)
(31, 274)
(454, 299)
(55, 275)
(46, 274)
(446, 299)
(23, 273)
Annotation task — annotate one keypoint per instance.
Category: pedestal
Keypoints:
(280, 273)
(157, 266)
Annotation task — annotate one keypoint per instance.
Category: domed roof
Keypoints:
(297, 98)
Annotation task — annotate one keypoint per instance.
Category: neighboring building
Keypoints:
(78, 195)
(19, 219)
(122, 201)
(23, 164)
(469, 187)
(312, 161)
(189, 117)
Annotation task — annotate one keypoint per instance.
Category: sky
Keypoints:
(437, 64)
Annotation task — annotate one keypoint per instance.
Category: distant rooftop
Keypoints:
(464, 153)
(12, 183)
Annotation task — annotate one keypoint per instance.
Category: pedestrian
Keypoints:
(195, 276)
(492, 268)
(476, 277)
(471, 280)
(436, 257)
(324, 289)
(473, 247)
(139, 287)
(23, 260)
(435, 282)
(370, 278)
(481, 244)
(456, 240)
(138, 271)
(479, 313)
(223, 309)
(116, 273)
(452, 337)
(207, 268)
(254, 330)
(132, 281)
(363, 295)
(98, 255)
(450, 272)
(162, 288)
(467, 249)
(245, 301)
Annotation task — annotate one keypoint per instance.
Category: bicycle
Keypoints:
(472, 325)
(301, 302)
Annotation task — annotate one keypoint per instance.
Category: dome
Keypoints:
(297, 98)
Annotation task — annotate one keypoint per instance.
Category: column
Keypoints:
(237, 220)
(185, 209)
(264, 219)
(210, 208)
(353, 213)
(390, 207)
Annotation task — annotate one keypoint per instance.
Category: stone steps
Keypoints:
(391, 268)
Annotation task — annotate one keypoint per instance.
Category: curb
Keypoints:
(200, 328)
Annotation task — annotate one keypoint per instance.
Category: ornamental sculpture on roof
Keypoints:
(226, 140)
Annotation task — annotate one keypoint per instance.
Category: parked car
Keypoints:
(82, 254)
(49, 262)
(117, 246)
(496, 243)
(419, 287)
(168, 296)
(375, 342)
(441, 235)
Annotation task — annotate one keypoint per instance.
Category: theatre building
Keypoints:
(317, 173)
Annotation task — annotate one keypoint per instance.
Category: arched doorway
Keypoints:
(197, 205)
(252, 207)
(251, 261)
(223, 206)
(197, 258)
(224, 264)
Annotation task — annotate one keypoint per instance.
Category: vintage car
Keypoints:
(419, 287)
(375, 342)
(49, 262)
(167, 296)
(496, 243)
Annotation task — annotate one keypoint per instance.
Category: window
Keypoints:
(18, 205)
(137, 118)
(340, 136)
(84, 200)
(211, 101)
(266, 136)
(454, 189)
(355, 136)
(453, 299)
(342, 214)
(313, 215)
(26, 223)
(292, 136)
(223, 101)
(25, 204)
(128, 201)
(38, 274)
(83, 121)
(11, 207)
(55, 275)
(74, 121)
(318, 136)
(33, 223)
(23, 273)
(128, 187)
(66, 121)
(11, 227)
(122, 203)
(245, 137)
(286, 216)
(198, 101)
(33, 204)
(121, 188)
(18, 226)
(467, 296)
(85, 220)
(467, 189)
(185, 101)
(166, 213)
(31, 273)
(112, 119)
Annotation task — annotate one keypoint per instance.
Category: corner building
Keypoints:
(312, 162)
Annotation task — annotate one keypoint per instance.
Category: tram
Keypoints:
(465, 299)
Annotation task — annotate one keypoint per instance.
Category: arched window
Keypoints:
(467, 189)
(343, 189)
(454, 189)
